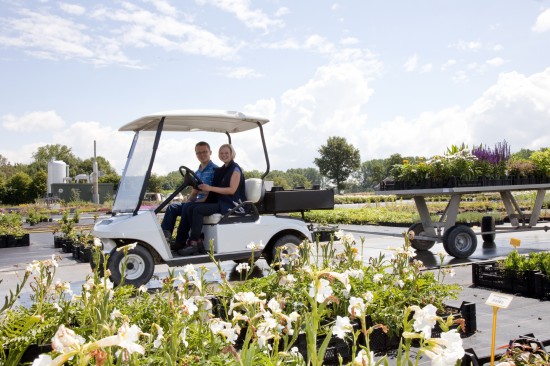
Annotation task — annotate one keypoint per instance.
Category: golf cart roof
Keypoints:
(196, 120)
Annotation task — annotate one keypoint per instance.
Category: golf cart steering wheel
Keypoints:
(189, 177)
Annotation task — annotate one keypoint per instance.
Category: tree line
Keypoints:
(338, 165)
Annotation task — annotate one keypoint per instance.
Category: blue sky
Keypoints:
(408, 77)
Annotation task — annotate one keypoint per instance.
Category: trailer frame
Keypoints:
(459, 240)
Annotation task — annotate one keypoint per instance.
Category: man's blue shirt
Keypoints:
(206, 175)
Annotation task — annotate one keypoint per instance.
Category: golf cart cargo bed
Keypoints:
(298, 200)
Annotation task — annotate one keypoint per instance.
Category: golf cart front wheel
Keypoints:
(460, 241)
(138, 266)
(417, 244)
(283, 249)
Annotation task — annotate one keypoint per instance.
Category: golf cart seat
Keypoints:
(254, 190)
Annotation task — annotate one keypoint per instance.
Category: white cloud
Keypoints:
(164, 7)
(319, 43)
(450, 63)
(496, 62)
(241, 73)
(467, 45)
(426, 68)
(73, 9)
(111, 144)
(282, 11)
(251, 18)
(109, 32)
(516, 108)
(349, 41)
(412, 63)
(33, 122)
(542, 23)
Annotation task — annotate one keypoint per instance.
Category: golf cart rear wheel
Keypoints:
(487, 225)
(140, 266)
(460, 241)
(417, 244)
(282, 248)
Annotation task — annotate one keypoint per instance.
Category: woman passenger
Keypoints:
(227, 190)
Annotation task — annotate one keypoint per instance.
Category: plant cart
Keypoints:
(460, 241)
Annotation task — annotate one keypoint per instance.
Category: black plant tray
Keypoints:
(379, 341)
(490, 275)
(542, 286)
(11, 241)
(472, 359)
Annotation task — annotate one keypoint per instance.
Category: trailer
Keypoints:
(459, 240)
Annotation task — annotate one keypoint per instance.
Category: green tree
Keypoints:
(58, 152)
(172, 180)
(522, 154)
(155, 183)
(338, 160)
(311, 174)
(87, 166)
(18, 189)
(371, 173)
(38, 187)
(110, 178)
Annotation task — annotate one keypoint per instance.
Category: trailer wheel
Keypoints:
(460, 241)
(488, 224)
(286, 244)
(417, 244)
(140, 266)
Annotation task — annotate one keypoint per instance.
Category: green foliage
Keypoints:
(533, 262)
(18, 189)
(338, 160)
(541, 159)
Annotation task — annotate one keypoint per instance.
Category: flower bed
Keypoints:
(312, 311)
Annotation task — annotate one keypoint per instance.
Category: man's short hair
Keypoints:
(203, 143)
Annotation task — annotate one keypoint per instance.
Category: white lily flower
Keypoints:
(43, 360)
(115, 314)
(356, 306)
(242, 267)
(377, 277)
(320, 290)
(449, 352)
(364, 359)
(342, 326)
(274, 306)
(66, 340)
(190, 271)
(160, 336)
(189, 306)
(126, 338)
(128, 246)
(424, 319)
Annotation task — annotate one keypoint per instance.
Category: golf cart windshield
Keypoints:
(133, 177)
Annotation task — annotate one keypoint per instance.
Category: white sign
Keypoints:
(499, 300)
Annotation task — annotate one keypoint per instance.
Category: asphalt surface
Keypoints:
(524, 316)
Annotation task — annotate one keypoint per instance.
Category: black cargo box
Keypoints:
(297, 200)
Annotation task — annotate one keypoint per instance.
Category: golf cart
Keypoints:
(230, 234)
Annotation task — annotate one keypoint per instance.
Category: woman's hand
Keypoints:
(205, 187)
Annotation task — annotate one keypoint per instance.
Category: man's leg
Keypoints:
(197, 216)
(169, 219)
(182, 233)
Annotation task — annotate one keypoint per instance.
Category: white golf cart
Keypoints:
(230, 233)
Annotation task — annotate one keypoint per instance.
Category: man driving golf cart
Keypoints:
(226, 235)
